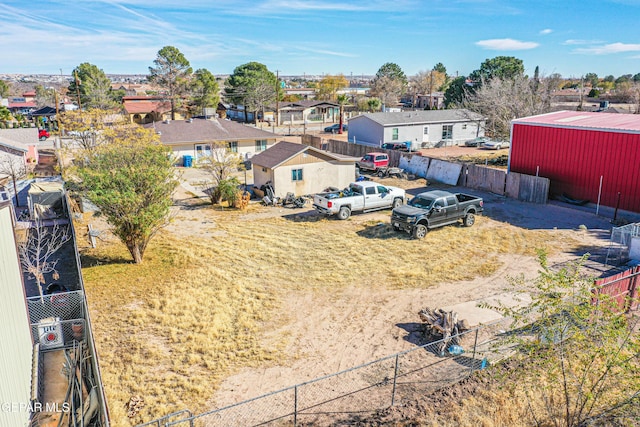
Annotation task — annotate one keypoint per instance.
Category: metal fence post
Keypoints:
(395, 377)
(473, 357)
(295, 406)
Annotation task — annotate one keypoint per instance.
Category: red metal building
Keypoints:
(585, 155)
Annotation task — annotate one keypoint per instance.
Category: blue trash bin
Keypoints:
(187, 161)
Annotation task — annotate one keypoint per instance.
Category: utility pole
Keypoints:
(277, 98)
(75, 75)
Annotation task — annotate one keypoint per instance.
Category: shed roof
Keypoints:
(283, 151)
(421, 117)
(205, 130)
(585, 120)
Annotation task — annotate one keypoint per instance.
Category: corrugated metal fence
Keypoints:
(527, 188)
(622, 287)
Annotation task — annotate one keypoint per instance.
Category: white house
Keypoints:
(422, 129)
(301, 169)
(198, 137)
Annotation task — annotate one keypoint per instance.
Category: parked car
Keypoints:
(358, 197)
(43, 134)
(373, 161)
(476, 142)
(336, 127)
(434, 209)
(394, 146)
(495, 145)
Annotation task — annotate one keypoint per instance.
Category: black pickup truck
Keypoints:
(434, 209)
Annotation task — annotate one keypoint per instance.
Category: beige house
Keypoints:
(301, 169)
(198, 138)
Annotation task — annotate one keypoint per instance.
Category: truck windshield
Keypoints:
(421, 202)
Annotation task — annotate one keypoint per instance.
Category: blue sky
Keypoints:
(318, 37)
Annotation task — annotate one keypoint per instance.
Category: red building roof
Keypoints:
(585, 120)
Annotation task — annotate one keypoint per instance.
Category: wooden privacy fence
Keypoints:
(527, 188)
(622, 288)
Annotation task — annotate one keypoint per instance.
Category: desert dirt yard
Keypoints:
(306, 296)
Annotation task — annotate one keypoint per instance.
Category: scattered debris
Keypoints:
(135, 404)
(443, 325)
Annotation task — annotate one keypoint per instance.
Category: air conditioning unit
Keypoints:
(50, 333)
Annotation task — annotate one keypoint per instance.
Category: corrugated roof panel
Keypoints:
(585, 120)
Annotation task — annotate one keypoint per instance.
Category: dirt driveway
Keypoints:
(329, 332)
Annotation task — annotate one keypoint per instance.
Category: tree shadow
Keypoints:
(93, 260)
(304, 216)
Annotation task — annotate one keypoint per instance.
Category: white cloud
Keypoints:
(506, 44)
(578, 42)
(546, 31)
(609, 48)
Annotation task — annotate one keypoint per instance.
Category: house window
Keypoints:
(394, 134)
(425, 130)
(233, 146)
(296, 175)
(464, 126)
(261, 145)
(447, 131)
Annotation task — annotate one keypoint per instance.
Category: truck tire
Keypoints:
(396, 203)
(344, 213)
(469, 219)
(420, 231)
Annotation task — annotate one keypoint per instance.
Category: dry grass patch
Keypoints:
(198, 308)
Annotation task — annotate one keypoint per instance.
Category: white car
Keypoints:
(495, 145)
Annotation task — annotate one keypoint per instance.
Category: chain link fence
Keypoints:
(618, 251)
(360, 391)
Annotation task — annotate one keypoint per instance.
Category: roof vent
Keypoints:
(159, 133)
(166, 121)
(190, 120)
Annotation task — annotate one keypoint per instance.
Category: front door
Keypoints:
(425, 134)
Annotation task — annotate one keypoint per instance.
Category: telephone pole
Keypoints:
(277, 98)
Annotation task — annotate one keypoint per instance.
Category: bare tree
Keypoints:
(502, 100)
(220, 164)
(37, 251)
(387, 89)
(15, 168)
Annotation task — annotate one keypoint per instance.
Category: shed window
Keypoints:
(296, 175)
(394, 134)
(447, 131)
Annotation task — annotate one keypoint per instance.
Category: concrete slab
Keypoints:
(476, 315)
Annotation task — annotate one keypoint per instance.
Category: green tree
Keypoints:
(592, 79)
(389, 84)
(329, 86)
(439, 67)
(456, 93)
(579, 351)
(504, 67)
(172, 72)
(131, 180)
(205, 92)
(636, 77)
(5, 89)
(253, 86)
(93, 86)
(374, 104)
(5, 114)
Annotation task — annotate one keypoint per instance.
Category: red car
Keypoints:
(43, 134)
(374, 161)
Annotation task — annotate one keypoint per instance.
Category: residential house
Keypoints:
(198, 137)
(147, 109)
(308, 111)
(24, 104)
(301, 169)
(419, 129)
(21, 142)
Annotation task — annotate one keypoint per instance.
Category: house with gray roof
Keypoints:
(198, 137)
(419, 129)
(301, 169)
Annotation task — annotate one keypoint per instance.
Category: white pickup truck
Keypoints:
(358, 197)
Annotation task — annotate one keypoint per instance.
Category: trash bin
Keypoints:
(187, 161)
